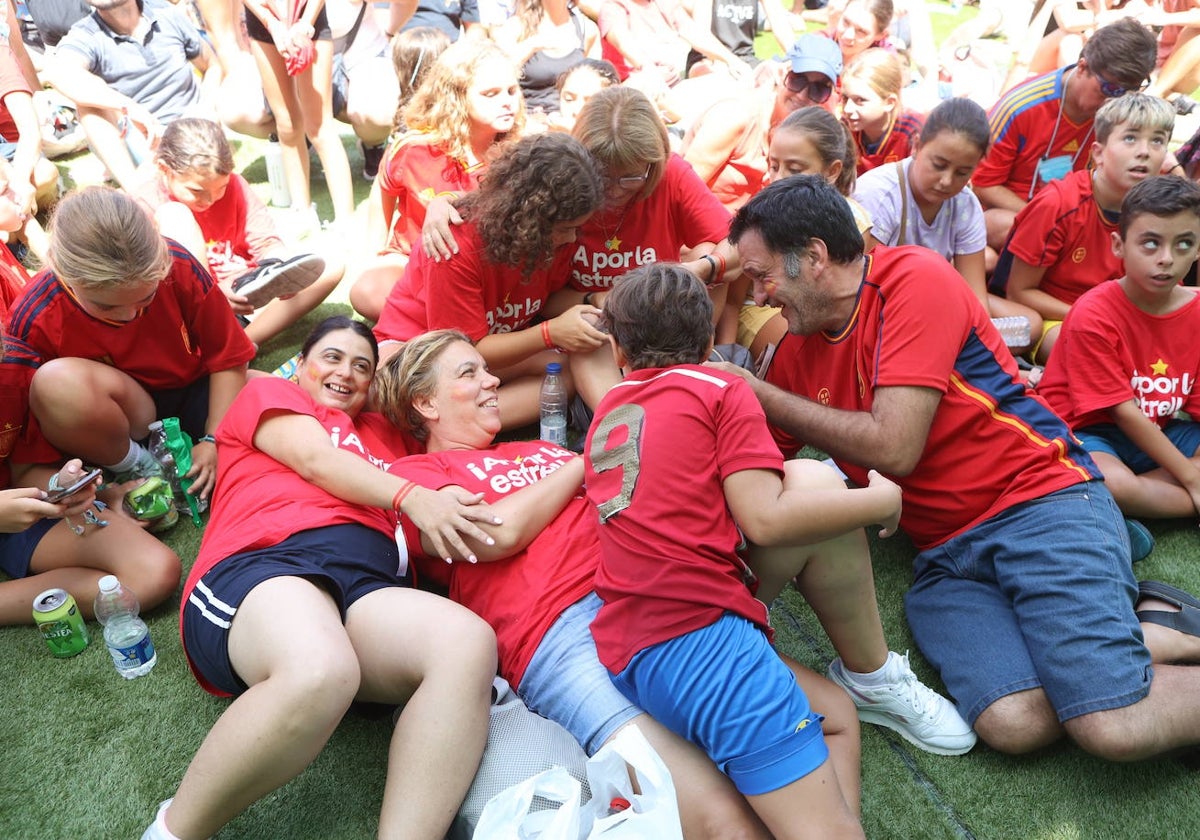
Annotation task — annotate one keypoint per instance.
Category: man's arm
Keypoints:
(889, 438)
(1000, 197)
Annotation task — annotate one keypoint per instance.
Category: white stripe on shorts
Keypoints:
(213, 601)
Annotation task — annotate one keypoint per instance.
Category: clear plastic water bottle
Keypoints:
(127, 636)
(162, 453)
(281, 196)
(1014, 329)
(554, 406)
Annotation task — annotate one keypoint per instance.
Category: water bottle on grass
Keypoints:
(125, 634)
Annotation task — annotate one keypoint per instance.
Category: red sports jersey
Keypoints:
(468, 293)
(991, 444)
(259, 502)
(1064, 230)
(1110, 351)
(413, 172)
(896, 144)
(236, 225)
(523, 595)
(669, 562)
(188, 331)
(13, 279)
(1030, 129)
(681, 213)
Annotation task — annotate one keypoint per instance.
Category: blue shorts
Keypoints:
(566, 683)
(347, 561)
(1040, 595)
(16, 550)
(189, 404)
(723, 688)
(1108, 438)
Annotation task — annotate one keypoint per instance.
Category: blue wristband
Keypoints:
(208, 439)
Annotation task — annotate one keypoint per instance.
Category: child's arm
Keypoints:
(769, 514)
(971, 267)
(1148, 437)
(1024, 287)
(223, 386)
(525, 514)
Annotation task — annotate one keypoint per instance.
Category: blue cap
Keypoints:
(815, 53)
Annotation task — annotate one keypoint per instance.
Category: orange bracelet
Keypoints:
(401, 494)
(549, 342)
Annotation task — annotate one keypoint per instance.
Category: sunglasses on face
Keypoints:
(1111, 90)
(818, 90)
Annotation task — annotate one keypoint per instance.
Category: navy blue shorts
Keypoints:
(16, 550)
(347, 561)
(189, 404)
(1108, 438)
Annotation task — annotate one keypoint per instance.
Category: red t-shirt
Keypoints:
(238, 224)
(522, 595)
(681, 213)
(669, 563)
(1110, 351)
(991, 444)
(1064, 230)
(1027, 126)
(260, 502)
(188, 331)
(896, 144)
(468, 293)
(13, 279)
(414, 171)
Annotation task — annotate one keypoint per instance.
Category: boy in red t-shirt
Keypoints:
(680, 630)
(1129, 354)
(1060, 242)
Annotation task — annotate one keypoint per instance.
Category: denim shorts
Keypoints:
(1040, 595)
(724, 688)
(566, 683)
(16, 550)
(347, 561)
(1108, 438)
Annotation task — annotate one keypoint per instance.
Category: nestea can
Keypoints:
(60, 622)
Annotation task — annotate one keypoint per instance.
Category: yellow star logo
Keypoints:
(612, 243)
(1159, 368)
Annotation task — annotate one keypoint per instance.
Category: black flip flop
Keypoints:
(1187, 620)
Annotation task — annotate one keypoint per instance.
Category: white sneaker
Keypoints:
(921, 715)
(278, 278)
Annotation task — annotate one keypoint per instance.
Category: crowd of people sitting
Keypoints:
(730, 258)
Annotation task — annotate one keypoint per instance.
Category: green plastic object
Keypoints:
(180, 444)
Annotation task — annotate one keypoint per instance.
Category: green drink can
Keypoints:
(62, 626)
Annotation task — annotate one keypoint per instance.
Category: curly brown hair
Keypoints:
(533, 185)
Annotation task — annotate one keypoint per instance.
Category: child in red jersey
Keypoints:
(680, 465)
(1129, 353)
(201, 203)
(122, 327)
(1060, 244)
(871, 106)
(470, 101)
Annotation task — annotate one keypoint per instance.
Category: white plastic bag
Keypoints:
(507, 815)
(653, 813)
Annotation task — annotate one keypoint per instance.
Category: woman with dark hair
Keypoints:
(512, 254)
(305, 607)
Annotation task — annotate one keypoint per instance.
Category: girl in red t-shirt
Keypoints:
(470, 101)
(200, 202)
(871, 106)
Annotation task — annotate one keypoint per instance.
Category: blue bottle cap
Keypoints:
(554, 368)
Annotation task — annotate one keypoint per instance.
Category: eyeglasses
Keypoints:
(631, 181)
(818, 90)
(1112, 90)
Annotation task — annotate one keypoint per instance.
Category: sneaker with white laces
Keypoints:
(918, 713)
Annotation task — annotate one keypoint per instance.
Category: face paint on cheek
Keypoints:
(312, 373)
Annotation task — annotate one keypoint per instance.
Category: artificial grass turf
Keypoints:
(88, 754)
